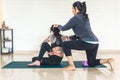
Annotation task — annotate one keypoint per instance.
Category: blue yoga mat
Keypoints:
(23, 65)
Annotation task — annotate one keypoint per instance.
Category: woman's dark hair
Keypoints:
(82, 7)
(55, 30)
(57, 34)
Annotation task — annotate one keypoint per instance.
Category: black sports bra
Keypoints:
(57, 42)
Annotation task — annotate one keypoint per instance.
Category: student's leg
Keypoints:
(45, 47)
(34, 59)
(51, 60)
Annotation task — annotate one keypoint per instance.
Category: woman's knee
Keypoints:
(65, 45)
(91, 64)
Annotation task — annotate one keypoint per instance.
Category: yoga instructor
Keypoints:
(84, 38)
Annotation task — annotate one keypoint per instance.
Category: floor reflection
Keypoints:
(96, 74)
(49, 74)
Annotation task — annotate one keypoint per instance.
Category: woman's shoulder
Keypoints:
(79, 16)
(74, 18)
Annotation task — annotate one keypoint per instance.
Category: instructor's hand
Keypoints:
(55, 25)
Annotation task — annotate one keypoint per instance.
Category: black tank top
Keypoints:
(58, 41)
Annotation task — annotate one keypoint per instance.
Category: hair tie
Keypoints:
(83, 3)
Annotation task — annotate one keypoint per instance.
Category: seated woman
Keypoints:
(53, 46)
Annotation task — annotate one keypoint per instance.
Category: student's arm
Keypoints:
(48, 39)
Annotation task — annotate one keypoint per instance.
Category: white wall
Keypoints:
(0, 13)
(31, 20)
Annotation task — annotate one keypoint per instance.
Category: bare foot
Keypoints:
(36, 63)
(69, 68)
(111, 63)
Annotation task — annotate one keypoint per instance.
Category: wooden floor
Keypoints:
(57, 73)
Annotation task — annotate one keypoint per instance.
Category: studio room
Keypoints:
(28, 26)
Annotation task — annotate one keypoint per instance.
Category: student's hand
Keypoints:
(67, 38)
(55, 25)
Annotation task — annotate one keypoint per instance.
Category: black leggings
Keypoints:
(50, 60)
(91, 50)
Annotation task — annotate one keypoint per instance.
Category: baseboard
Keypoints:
(109, 51)
(27, 51)
(76, 51)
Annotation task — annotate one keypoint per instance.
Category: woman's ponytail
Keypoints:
(84, 9)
